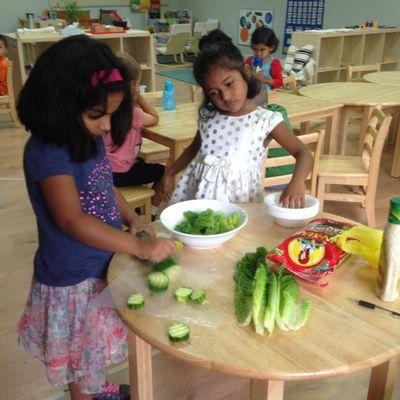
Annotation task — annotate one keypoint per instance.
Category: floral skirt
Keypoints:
(74, 338)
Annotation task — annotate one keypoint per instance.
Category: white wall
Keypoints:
(338, 13)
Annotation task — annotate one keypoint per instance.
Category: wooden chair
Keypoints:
(360, 69)
(196, 93)
(314, 141)
(178, 37)
(7, 102)
(139, 197)
(152, 95)
(360, 171)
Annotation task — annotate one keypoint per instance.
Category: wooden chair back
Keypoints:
(377, 131)
(196, 93)
(153, 95)
(8, 101)
(360, 70)
(313, 141)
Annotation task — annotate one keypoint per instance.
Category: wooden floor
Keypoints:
(22, 378)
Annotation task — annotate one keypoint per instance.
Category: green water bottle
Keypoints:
(389, 260)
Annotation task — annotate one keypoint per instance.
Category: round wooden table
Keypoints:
(339, 338)
(391, 78)
(364, 95)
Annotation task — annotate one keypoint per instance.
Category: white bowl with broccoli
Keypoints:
(203, 224)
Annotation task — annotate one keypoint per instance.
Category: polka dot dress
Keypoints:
(228, 164)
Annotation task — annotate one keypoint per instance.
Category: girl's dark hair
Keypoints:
(59, 90)
(266, 36)
(217, 48)
(4, 40)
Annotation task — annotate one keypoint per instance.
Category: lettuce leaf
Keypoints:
(244, 276)
(272, 302)
(207, 222)
(259, 298)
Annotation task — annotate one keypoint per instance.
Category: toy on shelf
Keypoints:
(96, 29)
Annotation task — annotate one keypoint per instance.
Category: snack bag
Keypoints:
(311, 253)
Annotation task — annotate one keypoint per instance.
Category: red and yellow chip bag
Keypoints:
(311, 254)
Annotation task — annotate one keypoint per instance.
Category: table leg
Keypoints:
(266, 389)
(366, 115)
(140, 369)
(395, 171)
(343, 124)
(332, 133)
(382, 380)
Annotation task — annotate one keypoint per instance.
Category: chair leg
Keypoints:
(147, 211)
(321, 193)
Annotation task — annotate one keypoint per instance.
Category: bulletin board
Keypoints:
(302, 15)
(251, 19)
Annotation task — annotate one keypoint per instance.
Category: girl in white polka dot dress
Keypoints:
(224, 160)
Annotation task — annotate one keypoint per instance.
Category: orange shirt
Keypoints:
(3, 76)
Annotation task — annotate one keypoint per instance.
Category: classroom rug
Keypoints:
(180, 74)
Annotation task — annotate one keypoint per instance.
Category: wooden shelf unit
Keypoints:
(138, 43)
(334, 50)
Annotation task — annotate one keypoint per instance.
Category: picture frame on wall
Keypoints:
(250, 19)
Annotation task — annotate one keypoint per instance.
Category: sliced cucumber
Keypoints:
(135, 301)
(198, 296)
(182, 294)
(162, 265)
(178, 332)
(158, 281)
(173, 272)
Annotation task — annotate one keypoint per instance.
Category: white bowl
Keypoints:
(291, 217)
(173, 214)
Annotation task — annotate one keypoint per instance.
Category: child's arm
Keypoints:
(151, 116)
(276, 79)
(176, 167)
(293, 195)
(129, 216)
(61, 196)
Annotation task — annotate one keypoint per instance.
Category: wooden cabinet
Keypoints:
(23, 51)
(335, 49)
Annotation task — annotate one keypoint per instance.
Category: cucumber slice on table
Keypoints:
(135, 301)
(182, 294)
(158, 281)
(198, 296)
(178, 332)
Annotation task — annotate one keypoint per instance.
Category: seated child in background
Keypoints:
(263, 43)
(128, 168)
(3, 65)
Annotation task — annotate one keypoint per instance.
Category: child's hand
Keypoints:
(139, 226)
(156, 249)
(166, 188)
(293, 196)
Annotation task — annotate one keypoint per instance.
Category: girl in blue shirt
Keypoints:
(77, 92)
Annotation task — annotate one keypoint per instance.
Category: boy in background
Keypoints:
(3, 65)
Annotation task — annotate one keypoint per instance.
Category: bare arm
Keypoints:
(180, 164)
(293, 195)
(61, 196)
(151, 117)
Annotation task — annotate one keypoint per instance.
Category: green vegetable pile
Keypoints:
(208, 222)
(266, 297)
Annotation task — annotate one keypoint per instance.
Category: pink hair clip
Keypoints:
(114, 76)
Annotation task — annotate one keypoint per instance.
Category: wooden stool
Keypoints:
(139, 196)
(153, 152)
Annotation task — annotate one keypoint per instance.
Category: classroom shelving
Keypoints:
(335, 49)
(23, 51)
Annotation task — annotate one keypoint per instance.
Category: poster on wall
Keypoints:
(139, 6)
(302, 15)
(250, 19)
